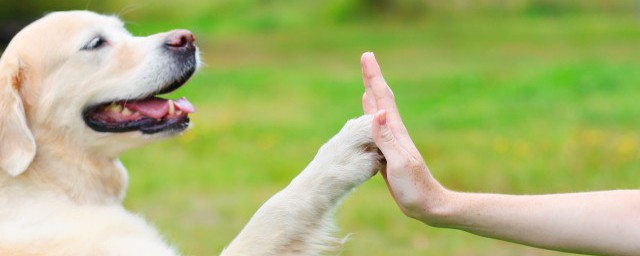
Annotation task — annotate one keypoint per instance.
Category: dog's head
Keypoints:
(81, 80)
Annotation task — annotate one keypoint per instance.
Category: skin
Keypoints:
(597, 223)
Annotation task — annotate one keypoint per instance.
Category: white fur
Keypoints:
(61, 183)
(297, 220)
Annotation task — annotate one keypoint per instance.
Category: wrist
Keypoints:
(436, 209)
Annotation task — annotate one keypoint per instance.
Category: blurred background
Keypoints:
(520, 97)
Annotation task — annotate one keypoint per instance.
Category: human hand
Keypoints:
(554, 221)
(407, 176)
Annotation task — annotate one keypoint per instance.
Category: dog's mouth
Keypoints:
(149, 114)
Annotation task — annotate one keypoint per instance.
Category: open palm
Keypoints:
(406, 174)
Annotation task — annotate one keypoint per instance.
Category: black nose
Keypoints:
(180, 40)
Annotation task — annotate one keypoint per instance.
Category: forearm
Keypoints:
(293, 220)
(605, 223)
(297, 220)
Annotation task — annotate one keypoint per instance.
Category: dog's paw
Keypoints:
(351, 157)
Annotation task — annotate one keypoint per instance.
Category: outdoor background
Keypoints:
(519, 97)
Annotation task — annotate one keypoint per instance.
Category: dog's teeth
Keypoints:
(126, 112)
(115, 107)
(179, 112)
(172, 108)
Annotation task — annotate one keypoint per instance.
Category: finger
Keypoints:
(384, 99)
(376, 85)
(367, 85)
(383, 173)
(368, 106)
(388, 145)
(384, 137)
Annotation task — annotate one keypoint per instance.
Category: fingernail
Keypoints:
(382, 117)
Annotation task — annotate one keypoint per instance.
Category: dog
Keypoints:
(76, 90)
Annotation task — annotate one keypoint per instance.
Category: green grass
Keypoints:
(506, 104)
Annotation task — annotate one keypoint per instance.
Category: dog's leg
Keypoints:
(297, 220)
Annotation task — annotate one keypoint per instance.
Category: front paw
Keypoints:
(351, 157)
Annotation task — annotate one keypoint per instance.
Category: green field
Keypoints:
(496, 103)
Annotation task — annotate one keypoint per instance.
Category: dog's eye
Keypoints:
(95, 43)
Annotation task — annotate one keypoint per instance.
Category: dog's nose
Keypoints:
(180, 39)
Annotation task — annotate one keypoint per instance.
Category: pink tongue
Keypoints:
(184, 105)
(158, 108)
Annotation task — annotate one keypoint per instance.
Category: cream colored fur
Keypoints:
(61, 183)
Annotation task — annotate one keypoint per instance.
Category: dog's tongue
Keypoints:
(184, 105)
(159, 108)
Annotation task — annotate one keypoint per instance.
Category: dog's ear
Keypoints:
(17, 146)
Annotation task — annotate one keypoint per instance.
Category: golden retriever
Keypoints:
(76, 90)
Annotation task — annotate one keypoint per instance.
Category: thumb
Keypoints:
(384, 137)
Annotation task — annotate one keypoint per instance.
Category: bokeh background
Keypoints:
(520, 97)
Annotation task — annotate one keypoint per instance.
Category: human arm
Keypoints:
(600, 223)
(605, 223)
